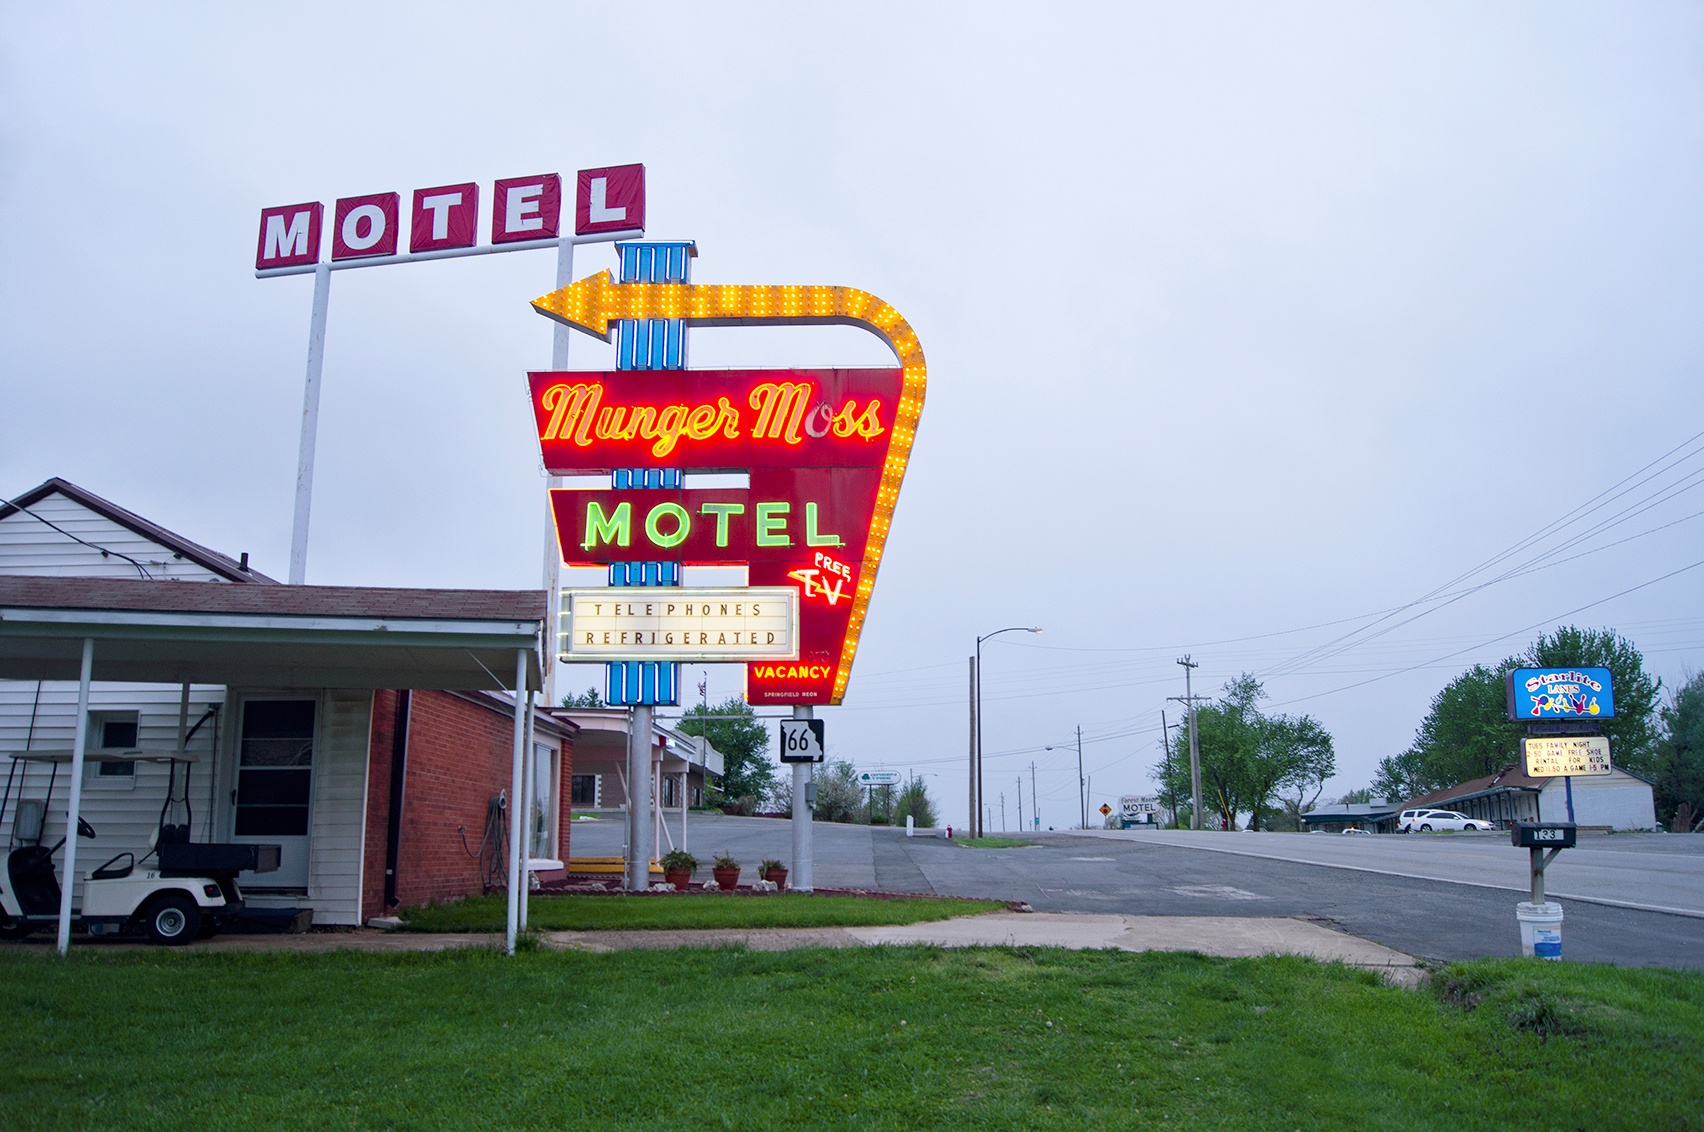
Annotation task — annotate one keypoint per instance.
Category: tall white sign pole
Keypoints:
(801, 879)
(310, 426)
(552, 551)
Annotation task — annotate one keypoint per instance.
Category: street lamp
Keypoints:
(976, 763)
(1082, 802)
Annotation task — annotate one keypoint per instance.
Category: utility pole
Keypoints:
(1002, 811)
(1082, 796)
(1020, 803)
(1194, 744)
(971, 831)
(1165, 744)
(1035, 799)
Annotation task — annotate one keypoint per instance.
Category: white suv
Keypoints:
(1428, 820)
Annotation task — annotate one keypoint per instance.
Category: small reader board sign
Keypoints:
(801, 740)
(879, 778)
(671, 623)
(1566, 755)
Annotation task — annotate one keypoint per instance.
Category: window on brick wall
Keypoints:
(585, 790)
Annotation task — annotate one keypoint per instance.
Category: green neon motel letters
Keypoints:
(772, 524)
(683, 524)
(722, 511)
(616, 528)
(811, 536)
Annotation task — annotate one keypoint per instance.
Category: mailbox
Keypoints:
(1543, 835)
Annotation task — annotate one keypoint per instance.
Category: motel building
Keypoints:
(369, 732)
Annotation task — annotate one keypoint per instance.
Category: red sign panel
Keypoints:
(526, 208)
(598, 420)
(609, 200)
(803, 527)
(289, 235)
(444, 217)
(365, 226)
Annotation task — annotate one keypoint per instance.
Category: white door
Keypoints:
(270, 801)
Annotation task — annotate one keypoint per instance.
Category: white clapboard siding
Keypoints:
(124, 812)
(29, 546)
(340, 807)
(1617, 800)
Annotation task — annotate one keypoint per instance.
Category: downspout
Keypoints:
(398, 771)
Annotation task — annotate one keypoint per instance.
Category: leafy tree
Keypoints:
(1247, 757)
(914, 801)
(743, 741)
(1633, 734)
(839, 798)
(1399, 777)
(1680, 757)
(587, 699)
(1357, 797)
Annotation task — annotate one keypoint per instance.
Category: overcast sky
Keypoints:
(1245, 324)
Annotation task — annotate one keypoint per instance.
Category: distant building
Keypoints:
(1617, 800)
(1376, 816)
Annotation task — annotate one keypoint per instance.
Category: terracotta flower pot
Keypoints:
(778, 877)
(726, 879)
(680, 878)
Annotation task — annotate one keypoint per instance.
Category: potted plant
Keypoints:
(774, 871)
(678, 867)
(726, 871)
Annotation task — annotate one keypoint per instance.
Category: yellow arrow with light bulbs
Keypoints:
(594, 303)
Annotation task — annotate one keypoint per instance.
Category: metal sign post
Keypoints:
(802, 745)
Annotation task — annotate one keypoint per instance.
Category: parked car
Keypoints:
(1429, 821)
(1357, 829)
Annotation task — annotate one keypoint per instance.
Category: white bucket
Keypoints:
(1541, 929)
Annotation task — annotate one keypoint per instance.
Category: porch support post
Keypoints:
(73, 808)
(516, 802)
(531, 761)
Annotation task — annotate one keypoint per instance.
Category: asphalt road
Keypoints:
(1434, 897)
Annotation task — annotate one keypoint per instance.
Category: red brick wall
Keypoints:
(459, 757)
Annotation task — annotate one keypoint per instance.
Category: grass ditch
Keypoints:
(675, 911)
(879, 1038)
(993, 843)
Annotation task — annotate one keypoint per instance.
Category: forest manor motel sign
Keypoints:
(825, 450)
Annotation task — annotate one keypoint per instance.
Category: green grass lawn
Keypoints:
(879, 1038)
(694, 910)
(992, 842)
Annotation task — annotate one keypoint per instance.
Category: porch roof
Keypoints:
(268, 636)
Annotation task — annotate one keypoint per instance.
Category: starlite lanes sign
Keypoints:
(1560, 693)
(826, 452)
(709, 625)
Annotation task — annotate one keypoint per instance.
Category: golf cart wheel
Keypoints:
(172, 919)
(1425, 829)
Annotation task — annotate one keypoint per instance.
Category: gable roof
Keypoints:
(1510, 778)
(211, 560)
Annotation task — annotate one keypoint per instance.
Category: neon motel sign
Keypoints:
(825, 451)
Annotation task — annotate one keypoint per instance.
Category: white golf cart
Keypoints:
(190, 891)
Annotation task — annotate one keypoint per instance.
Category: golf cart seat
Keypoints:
(33, 881)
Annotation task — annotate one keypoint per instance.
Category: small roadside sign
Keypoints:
(879, 778)
(801, 740)
(1105, 809)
